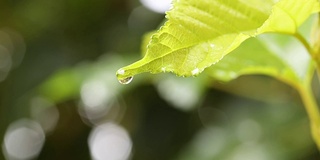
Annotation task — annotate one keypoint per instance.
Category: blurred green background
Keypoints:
(60, 99)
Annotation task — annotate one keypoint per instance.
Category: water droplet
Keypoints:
(163, 69)
(195, 71)
(212, 45)
(125, 80)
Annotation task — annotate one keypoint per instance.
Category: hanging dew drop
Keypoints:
(125, 80)
(120, 74)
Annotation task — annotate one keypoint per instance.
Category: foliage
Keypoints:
(199, 34)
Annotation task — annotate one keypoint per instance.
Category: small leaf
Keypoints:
(199, 33)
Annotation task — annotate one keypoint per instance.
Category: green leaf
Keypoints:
(279, 56)
(69, 82)
(62, 85)
(199, 33)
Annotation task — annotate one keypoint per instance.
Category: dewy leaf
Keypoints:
(199, 33)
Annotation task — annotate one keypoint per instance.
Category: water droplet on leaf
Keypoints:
(125, 80)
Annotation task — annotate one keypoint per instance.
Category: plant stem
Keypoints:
(307, 95)
(312, 111)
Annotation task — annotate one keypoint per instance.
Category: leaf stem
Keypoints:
(312, 111)
(307, 95)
